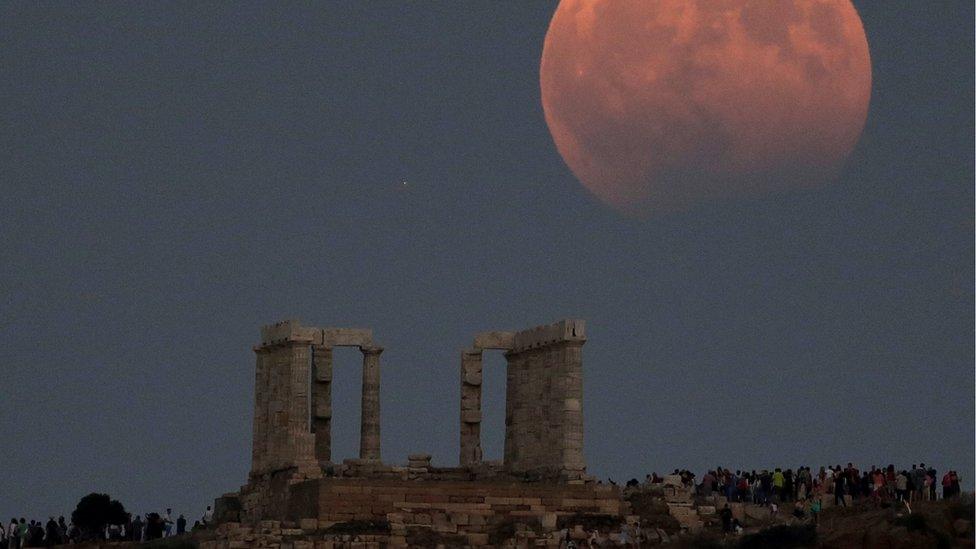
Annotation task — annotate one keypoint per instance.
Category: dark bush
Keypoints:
(94, 512)
(914, 522)
(783, 536)
(960, 510)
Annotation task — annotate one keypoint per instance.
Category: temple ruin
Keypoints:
(543, 399)
(295, 478)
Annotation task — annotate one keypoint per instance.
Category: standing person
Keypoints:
(181, 525)
(12, 542)
(918, 478)
(726, 516)
(901, 486)
(51, 535)
(22, 530)
(778, 481)
(932, 485)
(840, 482)
(135, 531)
(788, 485)
(947, 485)
(63, 529)
(208, 516)
(815, 507)
(168, 523)
(708, 480)
(3, 535)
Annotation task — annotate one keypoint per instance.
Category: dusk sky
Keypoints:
(175, 175)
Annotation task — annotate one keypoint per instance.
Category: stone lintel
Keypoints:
(292, 331)
(346, 337)
(494, 340)
(550, 334)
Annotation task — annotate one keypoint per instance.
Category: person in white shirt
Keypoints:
(168, 523)
(208, 516)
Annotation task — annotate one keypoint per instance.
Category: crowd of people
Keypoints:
(778, 486)
(21, 533)
(806, 490)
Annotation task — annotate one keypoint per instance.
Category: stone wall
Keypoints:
(471, 513)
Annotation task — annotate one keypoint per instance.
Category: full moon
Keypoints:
(661, 106)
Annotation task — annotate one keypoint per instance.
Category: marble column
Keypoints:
(570, 406)
(470, 435)
(513, 369)
(369, 432)
(259, 444)
(322, 402)
(300, 442)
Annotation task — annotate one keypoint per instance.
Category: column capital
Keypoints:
(371, 349)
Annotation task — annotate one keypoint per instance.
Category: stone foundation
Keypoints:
(475, 513)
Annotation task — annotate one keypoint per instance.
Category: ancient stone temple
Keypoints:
(296, 482)
(543, 399)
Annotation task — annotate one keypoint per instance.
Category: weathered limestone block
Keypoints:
(473, 377)
(494, 340)
(347, 337)
(471, 416)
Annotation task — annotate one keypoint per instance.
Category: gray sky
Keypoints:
(175, 175)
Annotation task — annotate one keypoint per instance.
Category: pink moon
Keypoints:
(661, 106)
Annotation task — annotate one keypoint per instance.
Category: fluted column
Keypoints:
(570, 403)
(471, 377)
(300, 442)
(513, 369)
(322, 401)
(259, 444)
(369, 432)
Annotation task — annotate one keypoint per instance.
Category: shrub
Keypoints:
(94, 512)
(914, 522)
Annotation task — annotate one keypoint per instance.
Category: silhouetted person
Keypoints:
(36, 535)
(726, 518)
(52, 535)
(135, 533)
(181, 525)
(154, 526)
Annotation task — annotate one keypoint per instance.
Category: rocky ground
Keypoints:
(670, 516)
(674, 516)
